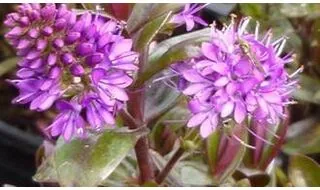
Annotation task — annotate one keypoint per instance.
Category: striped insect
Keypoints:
(246, 50)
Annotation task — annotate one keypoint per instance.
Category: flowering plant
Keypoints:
(127, 94)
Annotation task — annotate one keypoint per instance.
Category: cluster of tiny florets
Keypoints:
(237, 75)
(80, 62)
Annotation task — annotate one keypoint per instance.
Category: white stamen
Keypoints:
(271, 132)
(277, 41)
(243, 25)
(262, 139)
(297, 72)
(243, 143)
(267, 35)
(164, 77)
(198, 8)
(256, 32)
(292, 83)
(99, 9)
(289, 103)
(268, 39)
(288, 92)
(279, 50)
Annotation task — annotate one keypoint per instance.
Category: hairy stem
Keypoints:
(166, 170)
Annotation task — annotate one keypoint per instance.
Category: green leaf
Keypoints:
(281, 177)
(149, 31)
(213, 142)
(8, 65)
(303, 137)
(308, 91)
(182, 51)
(165, 45)
(125, 173)
(160, 99)
(304, 171)
(169, 51)
(143, 13)
(195, 176)
(87, 162)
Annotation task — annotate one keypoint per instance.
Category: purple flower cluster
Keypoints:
(238, 75)
(80, 62)
(187, 17)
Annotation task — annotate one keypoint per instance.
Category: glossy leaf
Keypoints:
(160, 49)
(179, 52)
(144, 37)
(212, 147)
(125, 174)
(87, 162)
(143, 13)
(195, 176)
(304, 171)
(308, 91)
(172, 50)
(303, 137)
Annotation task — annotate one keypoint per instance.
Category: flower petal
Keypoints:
(206, 128)
(227, 109)
(196, 119)
(239, 112)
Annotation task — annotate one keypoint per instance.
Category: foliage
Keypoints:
(108, 158)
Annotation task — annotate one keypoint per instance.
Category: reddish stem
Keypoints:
(135, 108)
(166, 170)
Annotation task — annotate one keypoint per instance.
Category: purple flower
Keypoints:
(238, 76)
(68, 122)
(187, 17)
(96, 60)
(99, 114)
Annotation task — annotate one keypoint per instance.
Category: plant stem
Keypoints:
(135, 108)
(166, 170)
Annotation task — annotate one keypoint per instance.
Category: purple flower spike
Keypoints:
(238, 76)
(63, 55)
(187, 17)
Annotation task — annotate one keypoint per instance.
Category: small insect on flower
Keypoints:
(238, 75)
(78, 58)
